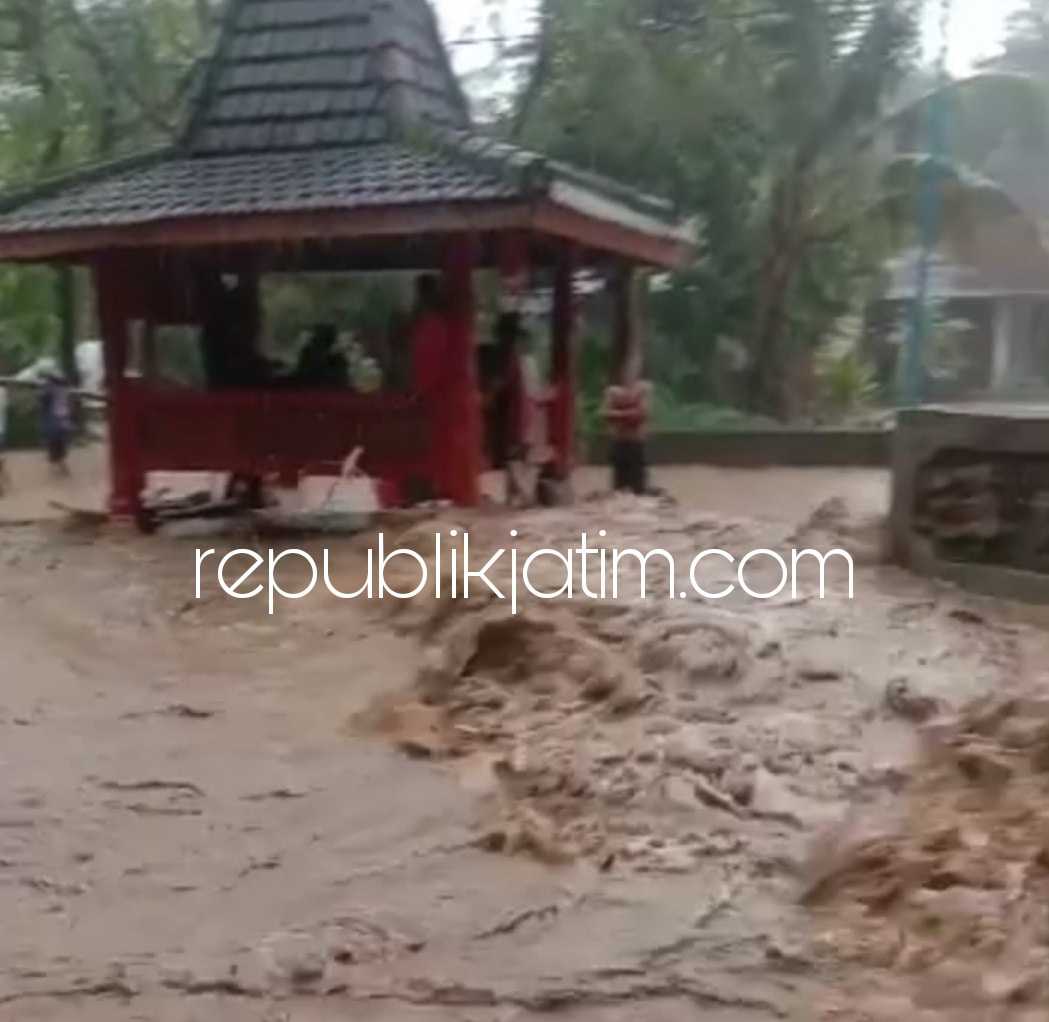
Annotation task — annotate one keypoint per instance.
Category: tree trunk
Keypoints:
(66, 310)
(765, 391)
(798, 385)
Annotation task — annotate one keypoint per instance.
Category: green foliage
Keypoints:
(845, 383)
(778, 123)
(741, 114)
(655, 112)
(366, 306)
(179, 356)
(23, 422)
(28, 316)
(669, 415)
(82, 82)
(773, 122)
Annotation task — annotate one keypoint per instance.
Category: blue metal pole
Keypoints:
(913, 376)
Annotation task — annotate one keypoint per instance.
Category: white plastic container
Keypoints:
(343, 503)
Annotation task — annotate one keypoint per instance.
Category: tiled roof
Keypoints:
(310, 105)
(348, 178)
(294, 74)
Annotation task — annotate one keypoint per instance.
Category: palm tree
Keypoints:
(839, 63)
(774, 120)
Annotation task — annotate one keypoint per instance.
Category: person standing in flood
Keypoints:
(625, 411)
(56, 420)
(509, 418)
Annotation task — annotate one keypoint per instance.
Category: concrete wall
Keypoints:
(982, 430)
(789, 448)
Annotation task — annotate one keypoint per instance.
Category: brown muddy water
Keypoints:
(440, 811)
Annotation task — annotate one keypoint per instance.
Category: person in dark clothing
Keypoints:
(321, 366)
(56, 415)
(488, 357)
(489, 360)
(507, 404)
(494, 379)
(429, 298)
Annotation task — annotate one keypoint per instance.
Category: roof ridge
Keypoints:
(384, 37)
(643, 201)
(213, 64)
(525, 171)
(533, 171)
(392, 99)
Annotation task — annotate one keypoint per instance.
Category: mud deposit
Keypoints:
(439, 810)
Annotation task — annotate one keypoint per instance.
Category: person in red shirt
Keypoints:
(625, 410)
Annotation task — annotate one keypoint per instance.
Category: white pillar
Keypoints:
(1001, 344)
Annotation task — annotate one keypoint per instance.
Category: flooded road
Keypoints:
(789, 494)
(439, 813)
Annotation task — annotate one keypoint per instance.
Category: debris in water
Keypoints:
(904, 702)
(414, 728)
(960, 871)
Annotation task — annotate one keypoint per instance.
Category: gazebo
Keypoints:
(325, 135)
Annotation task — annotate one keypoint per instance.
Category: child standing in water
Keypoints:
(56, 415)
(625, 411)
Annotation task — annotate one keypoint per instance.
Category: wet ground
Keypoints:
(437, 813)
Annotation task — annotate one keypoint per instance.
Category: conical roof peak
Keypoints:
(309, 117)
(303, 74)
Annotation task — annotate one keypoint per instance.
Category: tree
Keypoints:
(84, 82)
(774, 121)
(833, 75)
(1026, 44)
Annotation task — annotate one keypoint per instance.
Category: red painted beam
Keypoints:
(391, 223)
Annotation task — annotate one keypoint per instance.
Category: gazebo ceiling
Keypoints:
(331, 118)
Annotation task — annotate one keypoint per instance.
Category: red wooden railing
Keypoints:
(290, 434)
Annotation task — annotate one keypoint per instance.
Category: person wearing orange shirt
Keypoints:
(625, 411)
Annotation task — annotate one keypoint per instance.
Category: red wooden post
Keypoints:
(114, 283)
(563, 365)
(461, 433)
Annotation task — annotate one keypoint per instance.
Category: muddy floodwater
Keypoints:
(595, 809)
